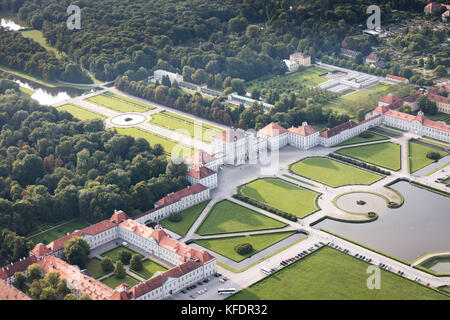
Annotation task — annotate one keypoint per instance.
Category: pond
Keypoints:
(10, 24)
(43, 94)
(441, 267)
(421, 225)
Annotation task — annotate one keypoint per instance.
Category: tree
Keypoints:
(85, 297)
(440, 71)
(76, 251)
(125, 256)
(136, 262)
(361, 115)
(244, 248)
(48, 293)
(70, 296)
(107, 265)
(34, 272)
(119, 271)
(19, 280)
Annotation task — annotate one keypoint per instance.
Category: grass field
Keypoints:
(153, 139)
(149, 268)
(113, 281)
(366, 98)
(113, 254)
(38, 36)
(282, 195)
(58, 232)
(225, 246)
(304, 78)
(95, 268)
(358, 139)
(80, 113)
(417, 155)
(333, 173)
(331, 274)
(227, 217)
(173, 121)
(188, 218)
(385, 154)
(119, 103)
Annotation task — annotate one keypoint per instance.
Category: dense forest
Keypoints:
(241, 39)
(53, 167)
(26, 55)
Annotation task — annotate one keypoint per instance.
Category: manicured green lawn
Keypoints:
(331, 274)
(95, 268)
(58, 232)
(113, 254)
(227, 217)
(333, 173)
(358, 139)
(113, 281)
(80, 113)
(305, 78)
(172, 121)
(188, 218)
(119, 103)
(417, 155)
(149, 268)
(153, 139)
(225, 246)
(385, 154)
(282, 195)
(130, 100)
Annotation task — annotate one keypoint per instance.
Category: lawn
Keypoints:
(119, 103)
(282, 195)
(95, 268)
(149, 268)
(365, 98)
(113, 254)
(304, 78)
(113, 281)
(172, 121)
(385, 154)
(331, 274)
(38, 36)
(153, 139)
(80, 113)
(225, 246)
(188, 218)
(332, 172)
(358, 139)
(227, 217)
(417, 155)
(58, 232)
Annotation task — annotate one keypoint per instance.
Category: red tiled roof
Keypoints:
(40, 250)
(372, 56)
(91, 230)
(437, 98)
(177, 196)
(200, 157)
(118, 216)
(85, 284)
(390, 76)
(439, 125)
(200, 172)
(8, 292)
(272, 130)
(18, 266)
(391, 99)
(338, 129)
(304, 130)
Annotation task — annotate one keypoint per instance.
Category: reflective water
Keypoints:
(441, 267)
(421, 225)
(9, 24)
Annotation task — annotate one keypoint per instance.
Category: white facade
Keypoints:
(303, 142)
(209, 181)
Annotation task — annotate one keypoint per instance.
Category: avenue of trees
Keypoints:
(23, 54)
(54, 168)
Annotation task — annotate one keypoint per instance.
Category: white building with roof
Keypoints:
(202, 175)
(303, 137)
